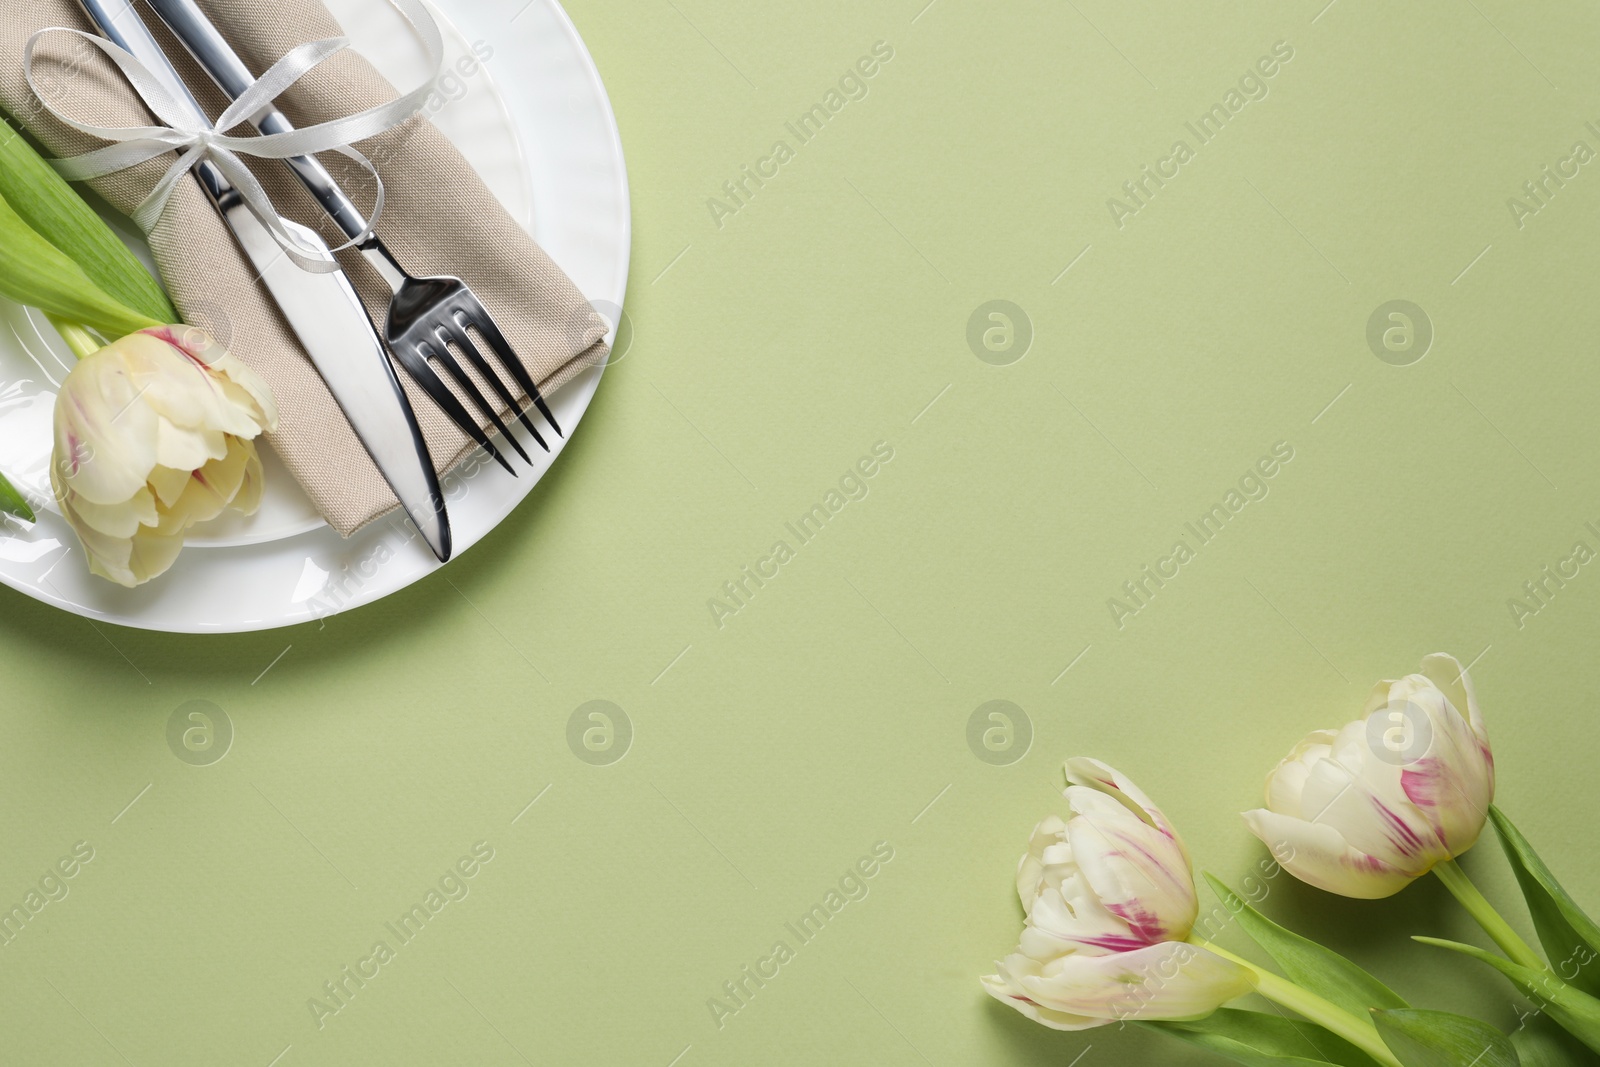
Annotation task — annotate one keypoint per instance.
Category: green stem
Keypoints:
(1478, 906)
(1359, 1032)
(77, 336)
(13, 502)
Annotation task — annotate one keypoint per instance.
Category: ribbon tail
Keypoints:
(295, 64)
(380, 197)
(114, 157)
(149, 212)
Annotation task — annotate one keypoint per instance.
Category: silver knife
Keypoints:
(323, 310)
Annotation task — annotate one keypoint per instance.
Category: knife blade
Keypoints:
(322, 308)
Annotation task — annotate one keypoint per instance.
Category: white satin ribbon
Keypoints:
(197, 139)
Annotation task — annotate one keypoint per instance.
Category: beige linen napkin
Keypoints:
(439, 219)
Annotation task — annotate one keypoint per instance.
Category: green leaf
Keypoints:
(1308, 964)
(55, 211)
(1261, 1040)
(1570, 938)
(1440, 1039)
(12, 502)
(1540, 1042)
(1576, 1011)
(36, 273)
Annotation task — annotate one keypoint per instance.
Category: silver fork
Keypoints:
(427, 315)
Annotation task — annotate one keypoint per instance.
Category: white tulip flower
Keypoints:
(1365, 810)
(1110, 903)
(154, 433)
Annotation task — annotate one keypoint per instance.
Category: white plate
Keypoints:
(536, 122)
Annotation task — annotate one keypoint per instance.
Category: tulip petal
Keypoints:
(153, 553)
(1453, 785)
(1137, 871)
(1173, 980)
(248, 499)
(1031, 868)
(1286, 783)
(168, 485)
(1446, 672)
(211, 488)
(1358, 790)
(1318, 854)
(997, 988)
(204, 349)
(108, 556)
(101, 468)
(1148, 878)
(185, 449)
(122, 520)
(1064, 915)
(1104, 778)
(1072, 919)
(246, 391)
(1446, 769)
(1379, 696)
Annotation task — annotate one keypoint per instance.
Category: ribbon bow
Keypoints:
(197, 139)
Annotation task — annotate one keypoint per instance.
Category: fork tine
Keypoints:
(453, 367)
(463, 341)
(478, 316)
(417, 366)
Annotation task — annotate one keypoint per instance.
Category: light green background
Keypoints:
(829, 714)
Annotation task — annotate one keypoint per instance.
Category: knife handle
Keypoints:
(218, 59)
(120, 24)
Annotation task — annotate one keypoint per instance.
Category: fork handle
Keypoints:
(218, 59)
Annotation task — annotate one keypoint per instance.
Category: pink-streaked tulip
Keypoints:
(1110, 902)
(154, 433)
(1365, 810)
